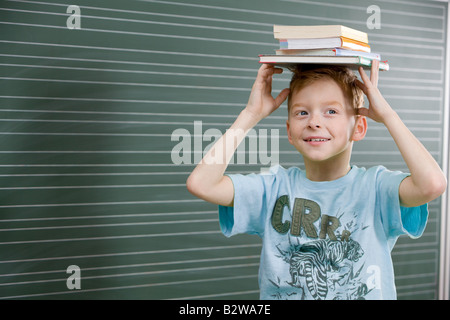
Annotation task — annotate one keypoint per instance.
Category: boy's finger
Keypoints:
(374, 72)
(364, 76)
(267, 70)
(277, 70)
(281, 97)
(362, 112)
(361, 85)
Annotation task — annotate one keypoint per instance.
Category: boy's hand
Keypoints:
(261, 103)
(426, 182)
(379, 109)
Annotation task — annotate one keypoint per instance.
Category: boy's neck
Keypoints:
(326, 171)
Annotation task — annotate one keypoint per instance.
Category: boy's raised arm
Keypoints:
(427, 181)
(207, 180)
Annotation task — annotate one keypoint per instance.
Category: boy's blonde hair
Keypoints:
(304, 75)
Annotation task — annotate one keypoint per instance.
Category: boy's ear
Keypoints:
(360, 128)
(288, 131)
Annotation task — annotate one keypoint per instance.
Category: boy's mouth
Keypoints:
(315, 139)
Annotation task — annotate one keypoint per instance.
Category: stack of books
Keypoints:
(325, 44)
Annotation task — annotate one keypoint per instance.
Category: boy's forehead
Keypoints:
(325, 89)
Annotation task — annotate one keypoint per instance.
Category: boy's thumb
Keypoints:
(282, 96)
(362, 112)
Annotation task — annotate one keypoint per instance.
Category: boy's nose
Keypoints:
(314, 122)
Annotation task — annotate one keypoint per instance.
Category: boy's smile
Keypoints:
(322, 124)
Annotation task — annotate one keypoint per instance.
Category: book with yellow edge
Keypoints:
(318, 31)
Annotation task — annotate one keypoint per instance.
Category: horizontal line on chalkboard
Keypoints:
(97, 165)
(418, 293)
(161, 185)
(132, 122)
(128, 50)
(113, 216)
(143, 63)
(127, 101)
(84, 204)
(406, 247)
(132, 274)
(160, 73)
(182, 282)
(152, 114)
(16, 175)
(433, 241)
(414, 262)
(173, 234)
(428, 4)
(137, 84)
(414, 287)
(390, 55)
(146, 34)
(120, 254)
(137, 265)
(412, 97)
(110, 225)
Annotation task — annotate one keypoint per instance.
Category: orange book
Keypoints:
(324, 43)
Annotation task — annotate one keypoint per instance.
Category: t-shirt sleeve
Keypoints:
(398, 220)
(248, 215)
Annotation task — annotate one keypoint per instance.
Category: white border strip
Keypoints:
(444, 261)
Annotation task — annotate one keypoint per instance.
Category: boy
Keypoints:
(327, 231)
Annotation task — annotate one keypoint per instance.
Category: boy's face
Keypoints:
(322, 125)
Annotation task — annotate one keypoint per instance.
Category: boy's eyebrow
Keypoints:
(326, 103)
(296, 105)
(332, 102)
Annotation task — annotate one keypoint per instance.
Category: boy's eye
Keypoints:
(301, 113)
(331, 111)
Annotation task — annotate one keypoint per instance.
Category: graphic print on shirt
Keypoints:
(324, 268)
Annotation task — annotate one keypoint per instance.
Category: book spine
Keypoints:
(344, 52)
(363, 61)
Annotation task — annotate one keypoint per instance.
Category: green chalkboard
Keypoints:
(96, 98)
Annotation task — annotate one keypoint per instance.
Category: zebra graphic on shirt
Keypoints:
(321, 264)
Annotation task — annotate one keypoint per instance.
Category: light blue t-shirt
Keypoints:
(323, 240)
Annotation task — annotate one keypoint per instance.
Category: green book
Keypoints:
(352, 62)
